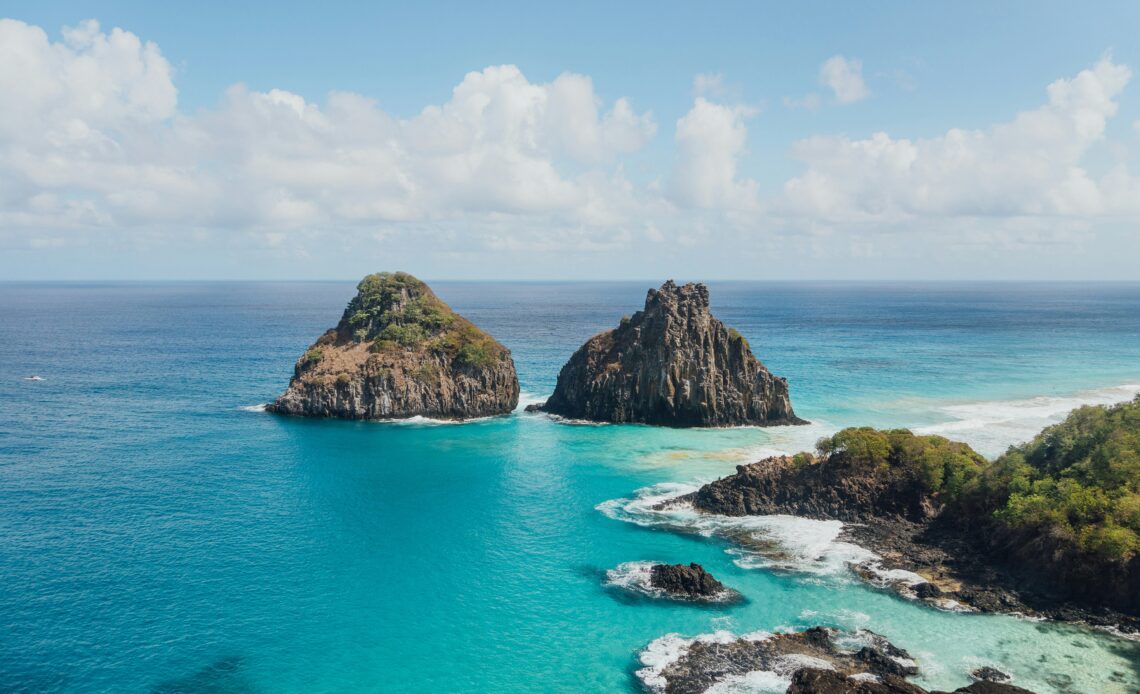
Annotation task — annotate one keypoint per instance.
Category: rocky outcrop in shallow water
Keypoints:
(690, 582)
(705, 662)
(671, 364)
(819, 660)
(811, 681)
(397, 352)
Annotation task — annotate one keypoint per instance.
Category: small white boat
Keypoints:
(34, 377)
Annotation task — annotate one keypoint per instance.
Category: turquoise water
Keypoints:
(155, 535)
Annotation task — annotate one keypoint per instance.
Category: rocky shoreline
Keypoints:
(899, 520)
(957, 570)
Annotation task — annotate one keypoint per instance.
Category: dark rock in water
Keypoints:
(399, 351)
(812, 681)
(989, 674)
(671, 364)
(988, 688)
(887, 659)
(926, 591)
(872, 669)
(690, 581)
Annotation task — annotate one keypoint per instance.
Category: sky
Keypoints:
(279, 140)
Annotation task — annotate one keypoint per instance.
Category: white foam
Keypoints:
(799, 544)
(994, 425)
(528, 398)
(634, 576)
(755, 682)
(254, 408)
(668, 649)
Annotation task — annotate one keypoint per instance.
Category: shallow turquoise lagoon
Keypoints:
(157, 533)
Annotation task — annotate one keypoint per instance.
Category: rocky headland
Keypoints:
(980, 534)
(671, 364)
(818, 660)
(397, 352)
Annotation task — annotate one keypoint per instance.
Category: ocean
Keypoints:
(159, 533)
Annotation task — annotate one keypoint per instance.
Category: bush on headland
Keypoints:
(940, 465)
(1078, 480)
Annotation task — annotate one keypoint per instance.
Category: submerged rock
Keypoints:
(692, 581)
(671, 364)
(399, 351)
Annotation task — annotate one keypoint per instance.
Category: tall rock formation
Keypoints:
(399, 351)
(671, 364)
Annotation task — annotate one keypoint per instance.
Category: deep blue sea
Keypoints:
(158, 533)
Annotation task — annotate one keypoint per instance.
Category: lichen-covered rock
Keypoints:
(671, 364)
(399, 351)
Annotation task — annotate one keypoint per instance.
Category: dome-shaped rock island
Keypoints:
(671, 364)
(399, 351)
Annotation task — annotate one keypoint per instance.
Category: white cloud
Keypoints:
(711, 140)
(1032, 165)
(92, 139)
(845, 78)
(90, 135)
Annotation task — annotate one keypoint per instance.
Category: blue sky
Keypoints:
(697, 141)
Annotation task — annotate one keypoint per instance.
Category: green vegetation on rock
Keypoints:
(941, 465)
(1079, 479)
(394, 310)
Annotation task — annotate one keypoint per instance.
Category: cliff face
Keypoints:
(672, 364)
(837, 489)
(399, 351)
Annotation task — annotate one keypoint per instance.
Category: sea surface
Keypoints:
(159, 533)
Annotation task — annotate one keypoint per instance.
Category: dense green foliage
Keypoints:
(314, 355)
(398, 311)
(942, 466)
(1079, 478)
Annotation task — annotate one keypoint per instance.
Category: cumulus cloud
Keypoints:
(1032, 165)
(845, 79)
(92, 138)
(90, 134)
(710, 140)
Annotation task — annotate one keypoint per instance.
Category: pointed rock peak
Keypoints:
(672, 364)
(693, 294)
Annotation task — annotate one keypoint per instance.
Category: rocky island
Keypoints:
(1049, 528)
(399, 351)
(671, 364)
